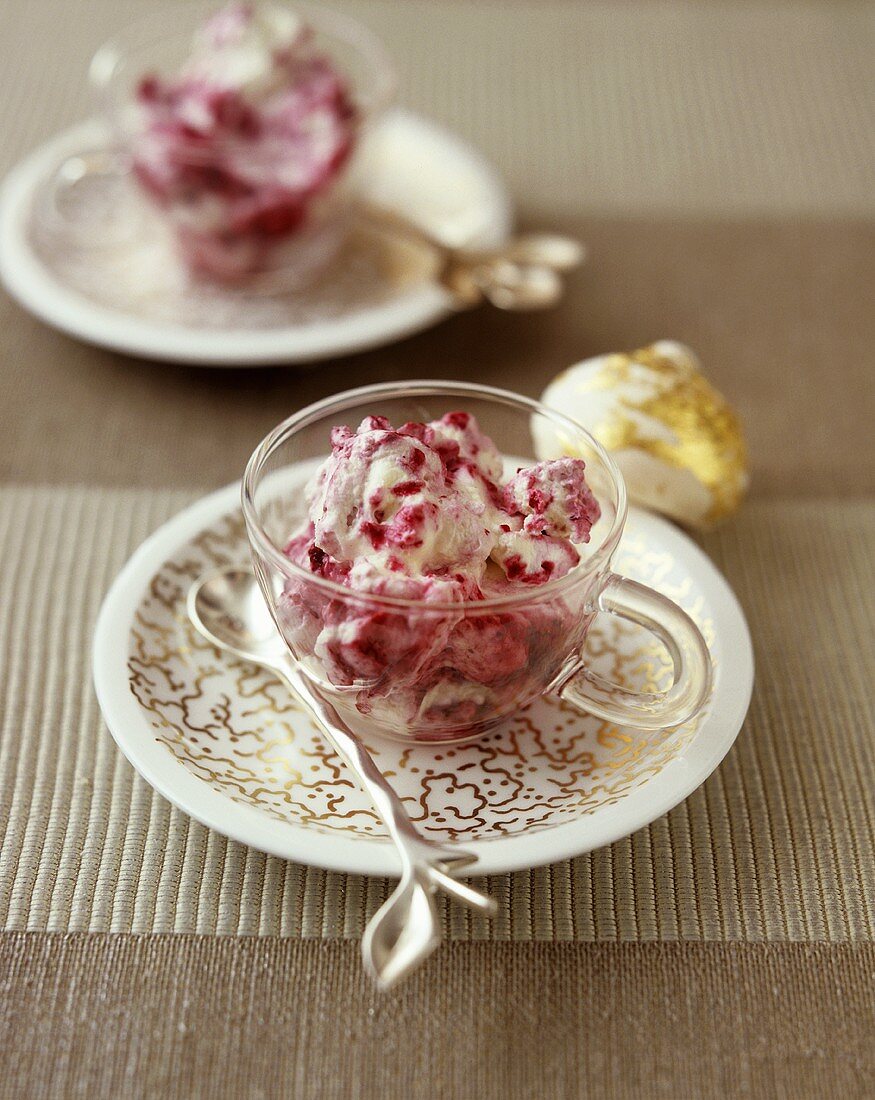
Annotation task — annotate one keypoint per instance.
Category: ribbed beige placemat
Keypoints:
(778, 844)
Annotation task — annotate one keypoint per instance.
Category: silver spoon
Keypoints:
(228, 609)
(521, 274)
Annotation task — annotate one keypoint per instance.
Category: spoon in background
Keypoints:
(524, 273)
(228, 609)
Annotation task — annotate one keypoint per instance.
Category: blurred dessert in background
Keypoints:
(243, 146)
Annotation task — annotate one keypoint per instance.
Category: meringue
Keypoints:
(676, 439)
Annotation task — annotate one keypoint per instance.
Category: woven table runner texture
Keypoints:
(178, 1017)
(777, 845)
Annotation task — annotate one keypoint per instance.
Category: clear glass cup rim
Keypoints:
(424, 388)
(111, 54)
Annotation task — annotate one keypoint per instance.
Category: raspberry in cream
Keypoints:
(246, 140)
(424, 513)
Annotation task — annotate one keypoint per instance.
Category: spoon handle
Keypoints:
(390, 221)
(357, 758)
(406, 928)
(413, 847)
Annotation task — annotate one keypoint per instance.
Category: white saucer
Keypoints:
(224, 742)
(414, 166)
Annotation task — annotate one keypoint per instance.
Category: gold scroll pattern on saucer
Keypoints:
(676, 439)
(236, 728)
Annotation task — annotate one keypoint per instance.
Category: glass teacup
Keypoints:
(451, 672)
(229, 198)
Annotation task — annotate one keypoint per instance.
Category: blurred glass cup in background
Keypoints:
(253, 194)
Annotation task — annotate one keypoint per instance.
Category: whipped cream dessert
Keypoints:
(242, 145)
(426, 513)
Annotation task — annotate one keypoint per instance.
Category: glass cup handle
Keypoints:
(687, 648)
(72, 171)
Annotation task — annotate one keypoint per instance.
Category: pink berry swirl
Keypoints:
(242, 130)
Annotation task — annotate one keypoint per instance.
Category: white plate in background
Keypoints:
(414, 166)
